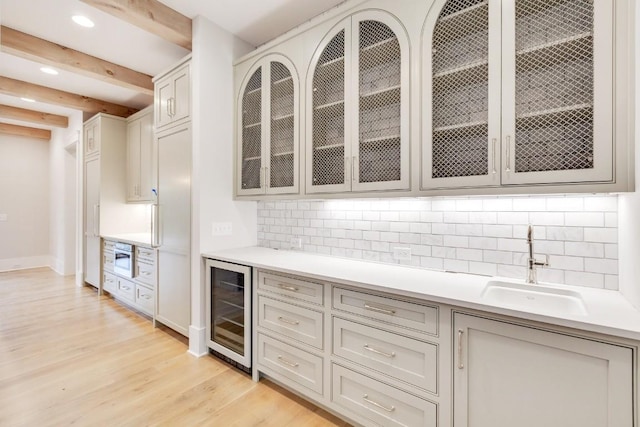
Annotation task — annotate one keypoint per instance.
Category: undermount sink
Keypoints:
(532, 297)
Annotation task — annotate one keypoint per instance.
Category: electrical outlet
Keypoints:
(296, 243)
(402, 254)
(222, 229)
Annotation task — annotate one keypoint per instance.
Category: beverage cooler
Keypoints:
(229, 311)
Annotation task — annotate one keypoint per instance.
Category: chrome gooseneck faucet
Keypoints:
(532, 263)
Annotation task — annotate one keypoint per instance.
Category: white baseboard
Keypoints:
(198, 341)
(57, 265)
(10, 264)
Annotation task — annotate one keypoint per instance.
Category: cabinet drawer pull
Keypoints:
(289, 321)
(126, 288)
(378, 309)
(460, 364)
(145, 296)
(288, 288)
(145, 273)
(374, 403)
(376, 351)
(287, 362)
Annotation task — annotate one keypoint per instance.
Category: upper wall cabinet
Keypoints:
(357, 127)
(141, 170)
(173, 97)
(268, 129)
(510, 93)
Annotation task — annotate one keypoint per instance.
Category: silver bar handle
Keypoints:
(493, 145)
(380, 352)
(155, 229)
(266, 177)
(508, 169)
(261, 177)
(374, 403)
(169, 107)
(288, 288)
(460, 364)
(289, 321)
(347, 169)
(354, 160)
(370, 307)
(287, 362)
(173, 106)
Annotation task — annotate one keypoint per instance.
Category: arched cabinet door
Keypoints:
(510, 93)
(268, 111)
(358, 107)
(461, 98)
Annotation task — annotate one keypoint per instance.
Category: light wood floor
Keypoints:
(68, 356)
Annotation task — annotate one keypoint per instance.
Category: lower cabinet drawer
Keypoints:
(144, 298)
(372, 402)
(107, 261)
(109, 283)
(291, 321)
(291, 363)
(405, 359)
(145, 273)
(126, 289)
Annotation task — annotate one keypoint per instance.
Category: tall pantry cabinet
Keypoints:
(171, 213)
(104, 145)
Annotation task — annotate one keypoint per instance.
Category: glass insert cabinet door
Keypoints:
(229, 310)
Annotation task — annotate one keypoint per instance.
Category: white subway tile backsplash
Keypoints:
(585, 219)
(604, 235)
(546, 218)
(584, 249)
(513, 217)
(483, 235)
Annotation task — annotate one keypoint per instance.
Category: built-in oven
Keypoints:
(123, 263)
(228, 295)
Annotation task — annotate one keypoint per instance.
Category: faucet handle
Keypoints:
(544, 263)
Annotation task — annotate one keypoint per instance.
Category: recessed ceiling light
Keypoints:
(49, 70)
(83, 21)
(28, 99)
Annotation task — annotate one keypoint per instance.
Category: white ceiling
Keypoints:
(255, 21)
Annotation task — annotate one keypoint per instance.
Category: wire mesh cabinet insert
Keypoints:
(510, 94)
(358, 103)
(268, 120)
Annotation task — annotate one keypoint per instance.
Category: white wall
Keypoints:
(214, 51)
(62, 196)
(629, 209)
(24, 198)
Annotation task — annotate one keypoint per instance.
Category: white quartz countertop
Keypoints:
(139, 239)
(608, 311)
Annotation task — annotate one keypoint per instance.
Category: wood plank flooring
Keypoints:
(68, 357)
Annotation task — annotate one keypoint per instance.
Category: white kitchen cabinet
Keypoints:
(140, 166)
(357, 92)
(139, 291)
(268, 128)
(518, 92)
(511, 375)
(103, 188)
(91, 139)
(172, 96)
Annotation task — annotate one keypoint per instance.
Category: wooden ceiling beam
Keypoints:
(20, 88)
(32, 116)
(150, 15)
(45, 52)
(25, 131)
